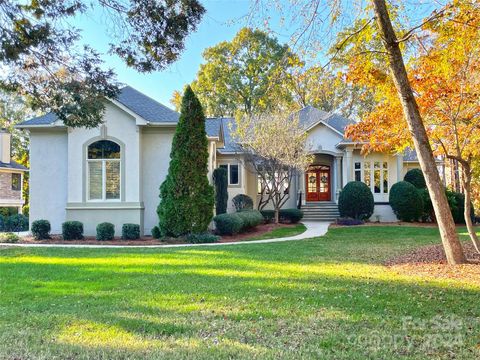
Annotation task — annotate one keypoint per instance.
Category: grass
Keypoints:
(281, 232)
(328, 297)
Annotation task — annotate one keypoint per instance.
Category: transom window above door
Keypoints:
(103, 171)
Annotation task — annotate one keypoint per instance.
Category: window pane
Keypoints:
(312, 182)
(385, 165)
(112, 190)
(376, 179)
(366, 177)
(104, 149)
(233, 174)
(358, 165)
(358, 176)
(376, 165)
(385, 181)
(95, 180)
(16, 182)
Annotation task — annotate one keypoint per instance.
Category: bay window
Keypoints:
(374, 174)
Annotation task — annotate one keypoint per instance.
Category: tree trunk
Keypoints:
(277, 216)
(467, 188)
(451, 243)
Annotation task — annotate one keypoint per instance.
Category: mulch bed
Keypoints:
(397, 223)
(430, 262)
(148, 240)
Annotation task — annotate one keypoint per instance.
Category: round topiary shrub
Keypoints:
(41, 229)
(356, 201)
(228, 224)
(406, 201)
(416, 178)
(156, 233)
(130, 231)
(72, 230)
(105, 231)
(242, 202)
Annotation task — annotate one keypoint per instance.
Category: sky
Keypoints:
(221, 22)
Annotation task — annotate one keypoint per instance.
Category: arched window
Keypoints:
(103, 170)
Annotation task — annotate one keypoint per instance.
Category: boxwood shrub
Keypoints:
(156, 233)
(130, 231)
(16, 223)
(202, 238)
(2, 223)
(242, 202)
(228, 224)
(250, 218)
(105, 231)
(72, 230)
(41, 229)
(10, 238)
(406, 201)
(416, 178)
(356, 201)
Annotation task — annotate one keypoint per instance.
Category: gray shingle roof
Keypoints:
(213, 126)
(410, 155)
(134, 100)
(229, 144)
(12, 165)
(309, 116)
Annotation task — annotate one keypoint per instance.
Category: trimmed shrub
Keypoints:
(105, 231)
(9, 238)
(250, 218)
(16, 223)
(156, 234)
(416, 178)
(186, 197)
(202, 238)
(130, 231)
(72, 230)
(41, 229)
(2, 223)
(349, 221)
(458, 208)
(242, 202)
(356, 201)
(228, 224)
(292, 216)
(406, 201)
(220, 180)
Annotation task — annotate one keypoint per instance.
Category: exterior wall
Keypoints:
(323, 139)
(244, 179)
(48, 176)
(156, 146)
(6, 192)
(383, 213)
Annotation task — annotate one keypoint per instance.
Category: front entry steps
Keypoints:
(320, 211)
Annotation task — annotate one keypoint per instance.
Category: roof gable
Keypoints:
(309, 117)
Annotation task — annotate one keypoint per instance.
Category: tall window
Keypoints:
(16, 182)
(233, 173)
(103, 168)
(374, 174)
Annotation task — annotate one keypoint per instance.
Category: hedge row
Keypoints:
(231, 224)
(292, 216)
(13, 223)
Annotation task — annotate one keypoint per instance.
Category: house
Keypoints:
(113, 172)
(11, 176)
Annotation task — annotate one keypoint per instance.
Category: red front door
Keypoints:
(317, 180)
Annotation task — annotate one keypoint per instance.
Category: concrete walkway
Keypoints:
(314, 229)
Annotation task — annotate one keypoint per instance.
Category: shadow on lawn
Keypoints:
(286, 299)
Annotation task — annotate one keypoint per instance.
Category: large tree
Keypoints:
(446, 80)
(392, 37)
(246, 74)
(186, 197)
(41, 59)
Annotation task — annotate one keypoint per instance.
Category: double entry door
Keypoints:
(317, 180)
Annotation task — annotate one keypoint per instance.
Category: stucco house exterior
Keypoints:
(11, 176)
(113, 172)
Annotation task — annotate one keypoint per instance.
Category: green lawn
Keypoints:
(281, 232)
(328, 297)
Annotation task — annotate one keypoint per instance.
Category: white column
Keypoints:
(399, 167)
(338, 178)
(347, 166)
(301, 175)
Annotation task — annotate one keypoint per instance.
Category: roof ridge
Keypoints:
(148, 96)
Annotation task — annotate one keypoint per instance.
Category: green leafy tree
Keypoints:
(186, 197)
(42, 60)
(246, 74)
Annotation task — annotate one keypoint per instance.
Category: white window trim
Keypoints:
(228, 165)
(372, 175)
(104, 179)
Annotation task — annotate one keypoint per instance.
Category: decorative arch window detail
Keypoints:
(103, 171)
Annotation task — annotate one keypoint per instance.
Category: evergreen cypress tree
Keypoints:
(186, 197)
